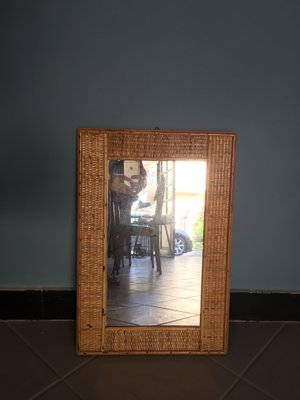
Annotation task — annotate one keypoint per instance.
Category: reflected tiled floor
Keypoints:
(143, 297)
(39, 361)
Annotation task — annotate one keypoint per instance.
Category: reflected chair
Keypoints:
(118, 216)
(123, 232)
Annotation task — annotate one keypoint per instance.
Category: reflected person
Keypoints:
(126, 180)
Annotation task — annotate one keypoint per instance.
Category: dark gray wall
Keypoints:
(226, 65)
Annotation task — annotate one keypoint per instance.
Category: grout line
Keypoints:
(236, 374)
(258, 388)
(240, 379)
(248, 366)
(262, 350)
(241, 374)
(64, 381)
(73, 391)
(25, 341)
(256, 357)
(118, 320)
(229, 389)
(235, 383)
(72, 371)
(45, 389)
(181, 319)
(36, 352)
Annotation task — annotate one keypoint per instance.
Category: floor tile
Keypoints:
(140, 285)
(273, 375)
(194, 320)
(277, 370)
(243, 391)
(58, 392)
(246, 339)
(145, 315)
(22, 373)
(191, 305)
(143, 377)
(191, 286)
(121, 299)
(145, 298)
(54, 341)
(113, 322)
(177, 292)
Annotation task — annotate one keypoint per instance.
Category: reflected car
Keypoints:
(183, 243)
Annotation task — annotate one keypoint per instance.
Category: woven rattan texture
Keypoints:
(91, 228)
(95, 148)
(215, 260)
(156, 145)
(152, 340)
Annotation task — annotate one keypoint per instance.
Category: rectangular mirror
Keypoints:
(155, 227)
(154, 241)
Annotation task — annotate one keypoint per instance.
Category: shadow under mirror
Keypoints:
(155, 240)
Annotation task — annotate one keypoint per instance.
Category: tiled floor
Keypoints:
(38, 361)
(144, 297)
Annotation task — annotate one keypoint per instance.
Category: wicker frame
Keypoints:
(95, 147)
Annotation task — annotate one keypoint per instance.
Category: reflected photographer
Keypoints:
(126, 179)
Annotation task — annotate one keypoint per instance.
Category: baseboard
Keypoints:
(61, 304)
(264, 306)
(37, 304)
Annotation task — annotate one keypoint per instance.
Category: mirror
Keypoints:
(154, 241)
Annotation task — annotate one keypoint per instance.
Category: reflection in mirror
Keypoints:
(155, 239)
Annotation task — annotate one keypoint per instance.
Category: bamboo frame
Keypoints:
(95, 147)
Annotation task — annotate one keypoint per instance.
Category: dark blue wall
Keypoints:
(226, 65)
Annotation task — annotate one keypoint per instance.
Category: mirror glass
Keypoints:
(155, 241)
